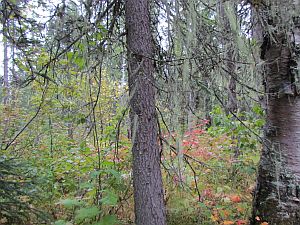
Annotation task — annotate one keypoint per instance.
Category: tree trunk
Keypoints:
(276, 198)
(147, 178)
(5, 70)
(231, 106)
(229, 54)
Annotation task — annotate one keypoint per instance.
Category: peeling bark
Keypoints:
(277, 195)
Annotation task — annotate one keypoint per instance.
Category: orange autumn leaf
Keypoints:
(240, 209)
(228, 222)
(264, 223)
(235, 198)
(226, 213)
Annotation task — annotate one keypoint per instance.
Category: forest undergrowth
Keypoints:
(208, 172)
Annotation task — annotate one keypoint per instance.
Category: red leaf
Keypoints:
(240, 222)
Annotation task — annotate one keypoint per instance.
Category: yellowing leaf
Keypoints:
(214, 218)
(228, 222)
(24, 198)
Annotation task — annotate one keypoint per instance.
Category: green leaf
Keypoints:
(86, 185)
(259, 122)
(107, 163)
(95, 174)
(60, 222)
(99, 36)
(113, 172)
(70, 55)
(80, 62)
(220, 189)
(110, 198)
(108, 220)
(86, 213)
(258, 110)
(255, 158)
(227, 188)
(69, 203)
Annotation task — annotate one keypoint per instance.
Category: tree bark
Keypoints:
(229, 53)
(276, 198)
(147, 178)
(5, 70)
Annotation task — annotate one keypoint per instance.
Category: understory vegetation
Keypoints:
(73, 108)
(208, 170)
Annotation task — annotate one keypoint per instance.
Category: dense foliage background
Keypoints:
(65, 136)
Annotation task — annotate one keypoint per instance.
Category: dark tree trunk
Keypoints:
(276, 198)
(147, 178)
